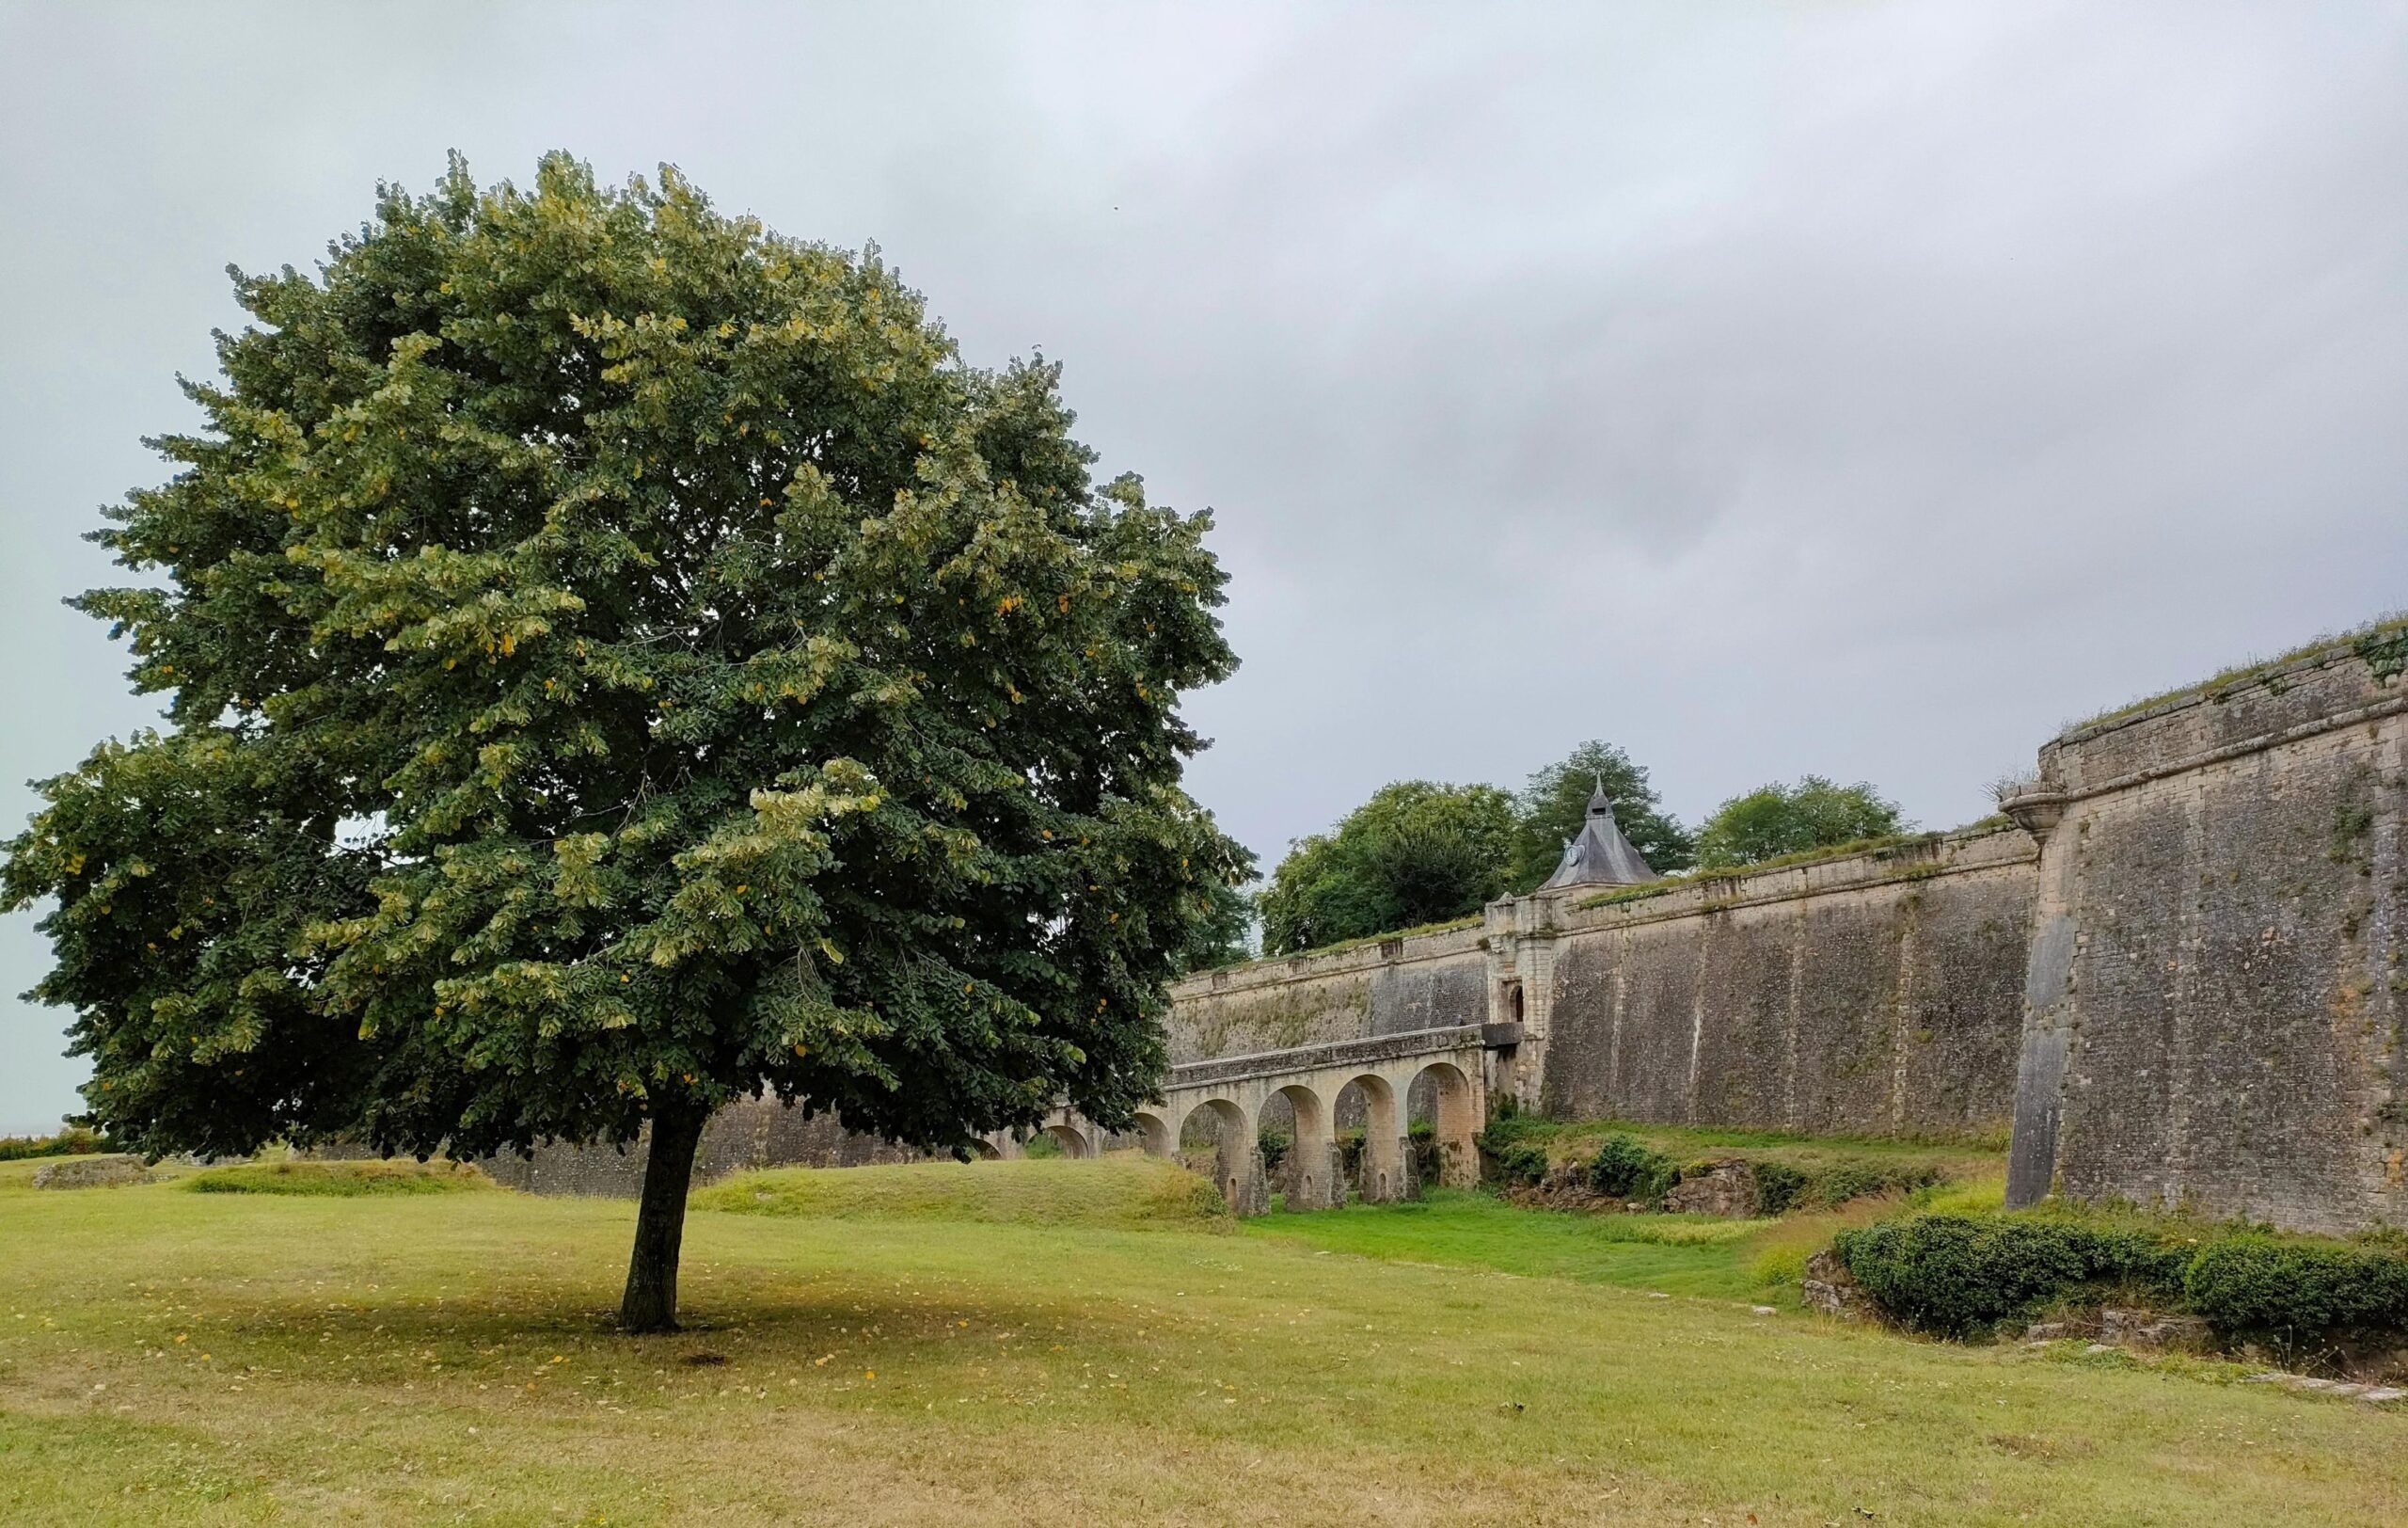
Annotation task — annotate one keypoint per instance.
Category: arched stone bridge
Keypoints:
(1232, 1092)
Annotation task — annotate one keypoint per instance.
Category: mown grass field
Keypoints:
(173, 1356)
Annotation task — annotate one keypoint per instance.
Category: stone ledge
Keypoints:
(1371, 1050)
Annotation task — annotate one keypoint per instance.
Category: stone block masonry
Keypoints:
(1874, 993)
(2215, 990)
(761, 1133)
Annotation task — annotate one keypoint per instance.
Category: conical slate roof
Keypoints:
(1600, 856)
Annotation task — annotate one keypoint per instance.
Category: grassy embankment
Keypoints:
(920, 1358)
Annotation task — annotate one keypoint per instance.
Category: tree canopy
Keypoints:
(1221, 937)
(1552, 807)
(1779, 819)
(618, 660)
(1416, 853)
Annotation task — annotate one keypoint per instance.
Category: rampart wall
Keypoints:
(760, 1133)
(2216, 987)
(1876, 992)
(1375, 987)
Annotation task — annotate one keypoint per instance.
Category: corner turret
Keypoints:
(1600, 855)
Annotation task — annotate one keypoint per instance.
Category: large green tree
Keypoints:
(1779, 819)
(620, 660)
(1556, 801)
(1416, 853)
(1224, 935)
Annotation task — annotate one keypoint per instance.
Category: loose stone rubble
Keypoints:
(90, 1173)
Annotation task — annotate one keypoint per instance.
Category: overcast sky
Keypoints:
(1861, 389)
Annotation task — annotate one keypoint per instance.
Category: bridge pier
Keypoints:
(1245, 1184)
(1316, 1177)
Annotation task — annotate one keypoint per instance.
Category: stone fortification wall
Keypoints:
(2216, 987)
(1879, 992)
(761, 1133)
(1380, 987)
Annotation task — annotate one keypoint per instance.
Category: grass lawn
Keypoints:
(1685, 1254)
(170, 1355)
(1568, 1140)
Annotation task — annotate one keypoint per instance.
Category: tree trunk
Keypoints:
(650, 1300)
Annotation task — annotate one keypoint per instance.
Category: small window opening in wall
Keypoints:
(1513, 1004)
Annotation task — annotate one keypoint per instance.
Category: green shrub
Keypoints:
(1626, 1168)
(1960, 1276)
(1275, 1145)
(1521, 1164)
(75, 1140)
(1350, 1154)
(1779, 1187)
(1845, 1181)
(2298, 1295)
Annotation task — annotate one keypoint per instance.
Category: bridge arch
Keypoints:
(1309, 1177)
(1229, 1128)
(1384, 1171)
(1072, 1140)
(1455, 1123)
(1159, 1130)
(1222, 1105)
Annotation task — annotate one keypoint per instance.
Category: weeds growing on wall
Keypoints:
(2381, 643)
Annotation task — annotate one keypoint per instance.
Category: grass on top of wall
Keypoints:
(1124, 1192)
(2383, 642)
(1469, 920)
(1887, 842)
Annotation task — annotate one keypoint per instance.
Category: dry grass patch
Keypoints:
(170, 1356)
(340, 1180)
(1127, 1191)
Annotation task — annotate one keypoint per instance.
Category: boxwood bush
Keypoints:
(2298, 1295)
(1627, 1167)
(2302, 1296)
(1960, 1276)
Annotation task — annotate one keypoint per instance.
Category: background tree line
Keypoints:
(1420, 853)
